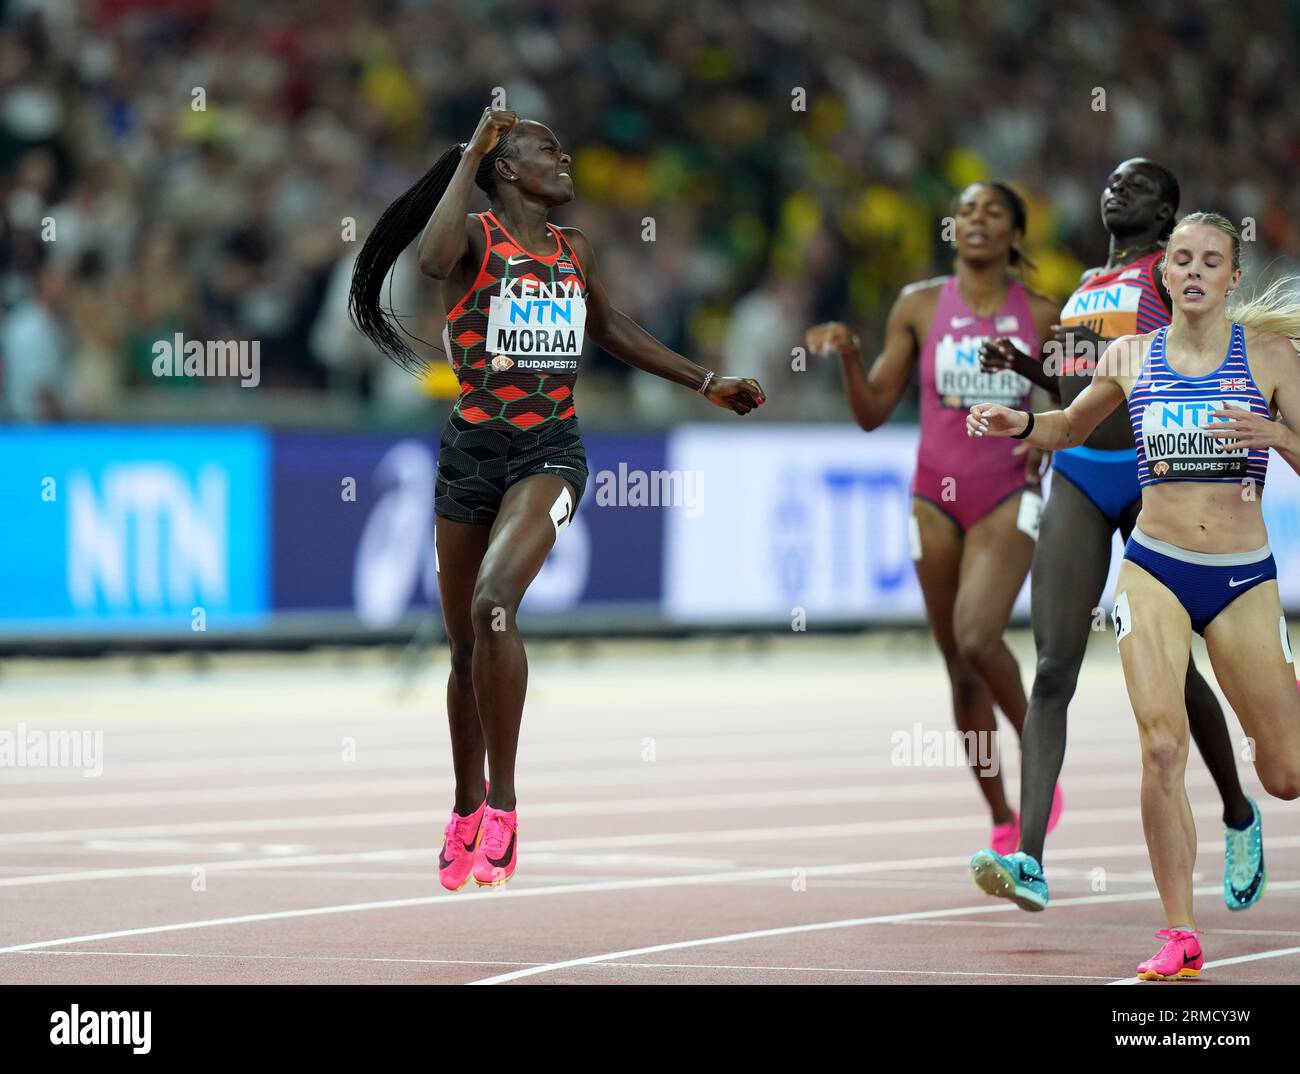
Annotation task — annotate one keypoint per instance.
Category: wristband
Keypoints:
(1029, 428)
(707, 381)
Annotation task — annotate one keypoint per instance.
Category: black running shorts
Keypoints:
(476, 465)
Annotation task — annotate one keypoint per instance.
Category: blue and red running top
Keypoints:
(1170, 412)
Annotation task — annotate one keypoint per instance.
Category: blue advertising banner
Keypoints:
(354, 528)
(141, 529)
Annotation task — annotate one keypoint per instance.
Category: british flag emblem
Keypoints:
(1233, 384)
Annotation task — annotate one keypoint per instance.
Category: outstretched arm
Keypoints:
(872, 394)
(627, 341)
(1070, 427)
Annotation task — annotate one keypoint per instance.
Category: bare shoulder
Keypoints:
(576, 238)
(923, 288)
(1122, 360)
(474, 233)
(916, 302)
(1270, 349)
(1044, 306)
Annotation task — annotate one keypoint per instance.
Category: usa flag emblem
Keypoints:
(1233, 384)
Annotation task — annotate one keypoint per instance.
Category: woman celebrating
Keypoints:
(1200, 395)
(520, 294)
(971, 539)
(1095, 491)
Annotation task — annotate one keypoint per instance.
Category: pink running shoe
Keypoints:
(498, 850)
(1058, 803)
(1181, 956)
(1006, 837)
(459, 842)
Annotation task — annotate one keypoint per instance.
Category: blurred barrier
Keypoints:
(184, 534)
(188, 534)
(136, 530)
(798, 517)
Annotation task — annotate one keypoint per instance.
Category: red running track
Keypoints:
(690, 812)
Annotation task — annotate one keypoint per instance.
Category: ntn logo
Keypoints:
(148, 537)
(1179, 415)
(1103, 299)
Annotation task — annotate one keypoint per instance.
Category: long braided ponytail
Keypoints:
(393, 232)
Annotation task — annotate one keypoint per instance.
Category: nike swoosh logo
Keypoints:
(502, 862)
(1248, 892)
(1233, 583)
(962, 322)
(517, 260)
(1164, 387)
(1189, 958)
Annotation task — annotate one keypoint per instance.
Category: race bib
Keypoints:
(1123, 618)
(539, 326)
(1031, 511)
(1177, 447)
(1109, 311)
(959, 382)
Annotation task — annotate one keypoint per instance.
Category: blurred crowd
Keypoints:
(209, 168)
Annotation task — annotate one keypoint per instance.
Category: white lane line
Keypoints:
(802, 834)
(448, 899)
(615, 965)
(650, 804)
(642, 883)
(858, 757)
(1077, 926)
(1256, 957)
(186, 869)
(857, 922)
(278, 958)
(1280, 952)
(647, 775)
(488, 962)
(838, 969)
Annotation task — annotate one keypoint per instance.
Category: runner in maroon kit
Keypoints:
(974, 512)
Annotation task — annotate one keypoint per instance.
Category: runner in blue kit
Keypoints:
(1095, 491)
(1201, 396)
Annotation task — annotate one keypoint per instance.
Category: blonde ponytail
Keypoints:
(1274, 311)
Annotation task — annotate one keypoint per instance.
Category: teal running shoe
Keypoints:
(1244, 875)
(1017, 877)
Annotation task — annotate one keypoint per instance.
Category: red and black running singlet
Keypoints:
(515, 338)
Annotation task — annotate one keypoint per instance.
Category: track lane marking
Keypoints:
(857, 922)
(738, 835)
